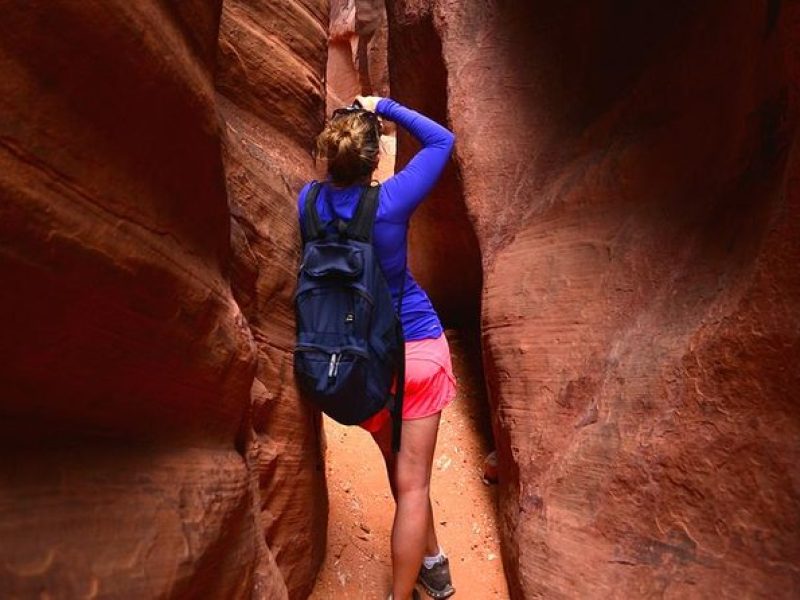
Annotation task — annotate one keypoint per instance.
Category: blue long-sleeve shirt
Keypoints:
(398, 198)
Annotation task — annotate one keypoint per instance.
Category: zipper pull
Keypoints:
(336, 366)
(332, 365)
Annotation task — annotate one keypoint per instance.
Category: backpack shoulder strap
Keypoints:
(360, 226)
(312, 226)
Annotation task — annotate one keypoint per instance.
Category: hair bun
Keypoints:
(350, 144)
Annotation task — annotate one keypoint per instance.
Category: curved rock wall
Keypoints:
(631, 171)
(271, 61)
(127, 364)
(140, 456)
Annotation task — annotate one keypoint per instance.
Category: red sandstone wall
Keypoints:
(270, 82)
(140, 457)
(126, 363)
(631, 172)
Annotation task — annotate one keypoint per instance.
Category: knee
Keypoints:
(412, 484)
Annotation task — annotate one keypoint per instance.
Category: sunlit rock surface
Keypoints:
(357, 51)
(631, 172)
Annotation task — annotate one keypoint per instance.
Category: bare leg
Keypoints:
(412, 518)
(431, 544)
(383, 439)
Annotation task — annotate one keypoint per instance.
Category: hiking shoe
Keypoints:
(436, 580)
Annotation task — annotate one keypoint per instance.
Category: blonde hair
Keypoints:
(350, 143)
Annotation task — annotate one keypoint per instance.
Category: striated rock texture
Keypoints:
(152, 437)
(270, 92)
(357, 62)
(126, 364)
(631, 171)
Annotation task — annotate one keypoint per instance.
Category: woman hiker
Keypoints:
(351, 144)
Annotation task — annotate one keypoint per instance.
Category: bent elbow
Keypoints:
(449, 141)
(452, 142)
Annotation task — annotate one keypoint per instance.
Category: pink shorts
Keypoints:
(430, 383)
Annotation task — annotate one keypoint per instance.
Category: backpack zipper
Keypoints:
(336, 366)
(323, 350)
(333, 366)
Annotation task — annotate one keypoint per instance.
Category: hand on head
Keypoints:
(369, 103)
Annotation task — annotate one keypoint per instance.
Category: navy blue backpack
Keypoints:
(350, 344)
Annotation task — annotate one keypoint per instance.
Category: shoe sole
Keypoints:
(438, 594)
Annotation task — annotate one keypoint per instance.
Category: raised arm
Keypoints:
(408, 188)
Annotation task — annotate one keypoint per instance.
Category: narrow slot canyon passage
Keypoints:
(358, 559)
(612, 250)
